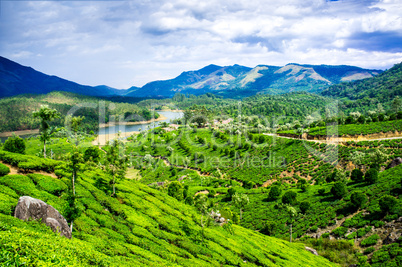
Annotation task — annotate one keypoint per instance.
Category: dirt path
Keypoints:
(15, 170)
(333, 141)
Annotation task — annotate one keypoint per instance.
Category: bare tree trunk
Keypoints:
(290, 233)
(71, 227)
(44, 148)
(74, 183)
(240, 214)
(114, 188)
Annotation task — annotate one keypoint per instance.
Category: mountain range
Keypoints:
(228, 81)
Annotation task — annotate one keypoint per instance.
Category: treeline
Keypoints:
(16, 112)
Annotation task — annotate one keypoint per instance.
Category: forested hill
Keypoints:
(17, 79)
(16, 112)
(383, 87)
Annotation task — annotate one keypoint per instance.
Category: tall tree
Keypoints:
(116, 160)
(240, 201)
(292, 214)
(46, 115)
(75, 124)
(75, 160)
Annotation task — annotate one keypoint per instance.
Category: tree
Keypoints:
(336, 175)
(396, 104)
(71, 211)
(116, 160)
(240, 201)
(197, 114)
(289, 198)
(75, 160)
(371, 176)
(387, 203)
(14, 144)
(379, 156)
(46, 115)
(304, 206)
(175, 189)
(92, 153)
(292, 214)
(201, 203)
(358, 199)
(75, 123)
(339, 190)
(275, 192)
(357, 175)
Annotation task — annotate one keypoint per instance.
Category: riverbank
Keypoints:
(109, 124)
(23, 132)
(102, 139)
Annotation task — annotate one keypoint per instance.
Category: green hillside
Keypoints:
(141, 226)
(382, 88)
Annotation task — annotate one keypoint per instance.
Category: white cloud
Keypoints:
(125, 43)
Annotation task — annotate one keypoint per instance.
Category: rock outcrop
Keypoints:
(395, 162)
(35, 209)
(312, 250)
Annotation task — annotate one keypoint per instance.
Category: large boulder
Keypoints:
(395, 162)
(35, 209)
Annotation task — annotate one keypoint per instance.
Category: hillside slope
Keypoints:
(140, 227)
(383, 87)
(17, 79)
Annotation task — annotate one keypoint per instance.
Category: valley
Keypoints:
(255, 179)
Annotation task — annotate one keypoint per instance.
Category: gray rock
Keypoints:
(391, 238)
(395, 162)
(312, 250)
(36, 209)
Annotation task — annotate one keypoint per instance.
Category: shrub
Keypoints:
(175, 190)
(371, 176)
(14, 144)
(289, 198)
(275, 192)
(321, 191)
(358, 199)
(4, 170)
(340, 231)
(357, 175)
(231, 192)
(305, 206)
(339, 190)
(387, 203)
(368, 250)
(212, 193)
(370, 241)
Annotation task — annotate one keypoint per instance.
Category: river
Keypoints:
(170, 115)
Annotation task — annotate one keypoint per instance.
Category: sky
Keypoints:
(130, 43)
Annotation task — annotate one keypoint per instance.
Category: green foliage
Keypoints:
(358, 199)
(4, 170)
(14, 144)
(357, 175)
(289, 198)
(49, 184)
(274, 192)
(387, 203)
(369, 241)
(371, 176)
(304, 206)
(339, 190)
(92, 154)
(175, 189)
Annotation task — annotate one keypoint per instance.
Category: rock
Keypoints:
(36, 209)
(312, 250)
(391, 238)
(182, 178)
(395, 162)
(399, 219)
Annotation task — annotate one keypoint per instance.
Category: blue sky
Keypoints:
(129, 43)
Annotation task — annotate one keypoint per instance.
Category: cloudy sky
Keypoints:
(129, 43)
